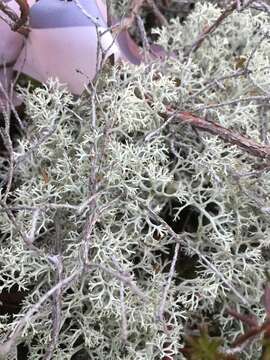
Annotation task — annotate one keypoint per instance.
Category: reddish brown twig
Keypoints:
(24, 9)
(16, 22)
(243, 142)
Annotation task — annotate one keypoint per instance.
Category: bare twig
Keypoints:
(152, 134)
(221, 276)
(258, 44)
(57, 262)
(210, 29)
(257, 98)
(243, 142)
(263, 122)
(214, 82)
(125, 278)
(123, 311)
(37, 143)
(6, 346)
(24, 9)
(5, 134)
(160, 315)
(145, 42)
(78, 208)
(17, 23)
(62, 285)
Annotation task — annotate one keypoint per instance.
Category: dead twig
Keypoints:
(215, 82)
(241, 141)
(125, 278)
(123, 313)
(24, 9)
(6, 346)
(5, 134)
(15, 22)
(57, 262)
(210, 29)
(145, 42)
(160, 315)
(257, 98)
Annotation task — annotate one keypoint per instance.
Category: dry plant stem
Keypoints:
(62, 286)
(78, 208)
(38, 143)
(24, 9)
(9, 94)
(124, 326)
(125, 278)
(145, 42)
(109, 13)
(89, 16)
(160, 315)
(5, 134)
(248, 320)
(263, 122)
(215, 82)
(253, 332)
(251, 174)
(135, 9)
(265, 36)
(241, 141)
(57, 262)
(257, 98)
(87, 233)
(210, 29)
(92, 188)
(6, 347)
(136, 6)
(152, 134)
(28, 240)
(17, 23)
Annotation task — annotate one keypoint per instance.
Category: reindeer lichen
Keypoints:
(101, 184)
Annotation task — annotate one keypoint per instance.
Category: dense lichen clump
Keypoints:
(99, 177)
